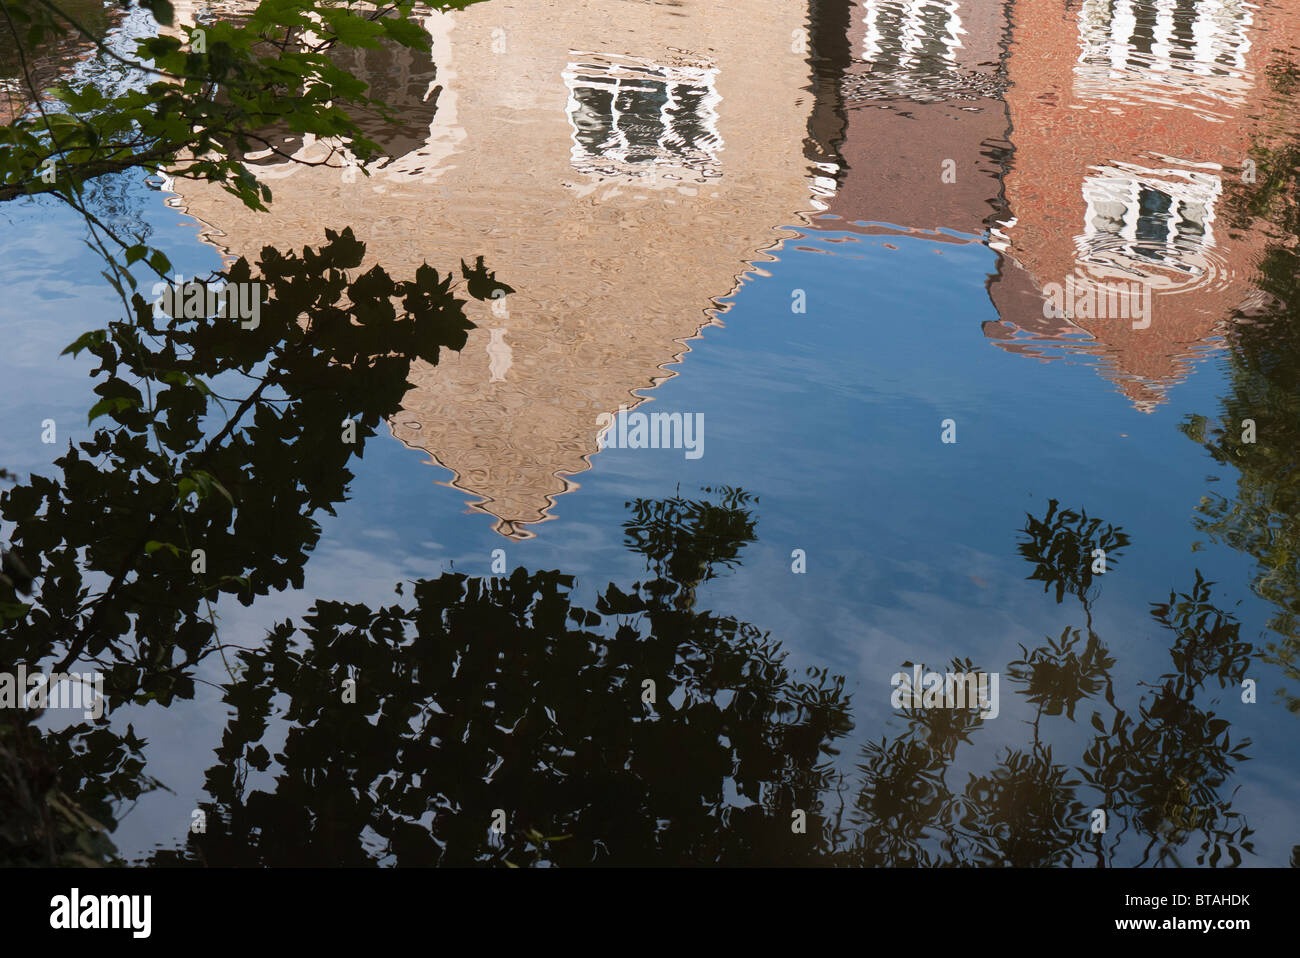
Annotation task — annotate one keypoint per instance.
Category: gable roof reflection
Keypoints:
(597, 185)
(1127, 122)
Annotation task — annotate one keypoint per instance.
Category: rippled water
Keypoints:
(828, 230)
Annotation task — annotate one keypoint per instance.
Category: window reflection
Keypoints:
(1160, 217)
(912, 44)
(908, 34)
(635, 117)
(1158, 50)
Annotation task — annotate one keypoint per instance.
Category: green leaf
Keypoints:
(406, 32)
(106, 406)
(221, 489)
(160, 263)
(351, 29)
(112, 281)
(205, 482)
(178, 378)
(91, 340)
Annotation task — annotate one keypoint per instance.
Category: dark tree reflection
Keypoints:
(623, 724)
(477, 695)
(1159, 772)
(1257, 429)
(503, 693)
(188, 494)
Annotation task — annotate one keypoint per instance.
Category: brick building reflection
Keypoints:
(1132, 122)
(924, 87)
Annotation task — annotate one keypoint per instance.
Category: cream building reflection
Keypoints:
(636, 118)
(622, 165)
(500, 355)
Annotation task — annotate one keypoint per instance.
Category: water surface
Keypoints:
(825, 230)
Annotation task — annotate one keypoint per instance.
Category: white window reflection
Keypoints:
(823, 184)
(635, 117)
(908, 34)
(1139, 219)
(912, 48)
(1161, 50)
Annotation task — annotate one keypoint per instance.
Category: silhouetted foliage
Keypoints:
(1257, 430)
(1161, 769)
(187, 494)
(484, 694)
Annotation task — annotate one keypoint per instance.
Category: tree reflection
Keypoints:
(190, 494)
(1161, 769)
(479, 694)
(1257, 430)
(626, 725)
(504, 693)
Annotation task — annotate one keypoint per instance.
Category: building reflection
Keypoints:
(625, 177)
(622, 166)
(914, 41)
(923, 90)
(1093, 144)
(1131, 121)
(1185, 54)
